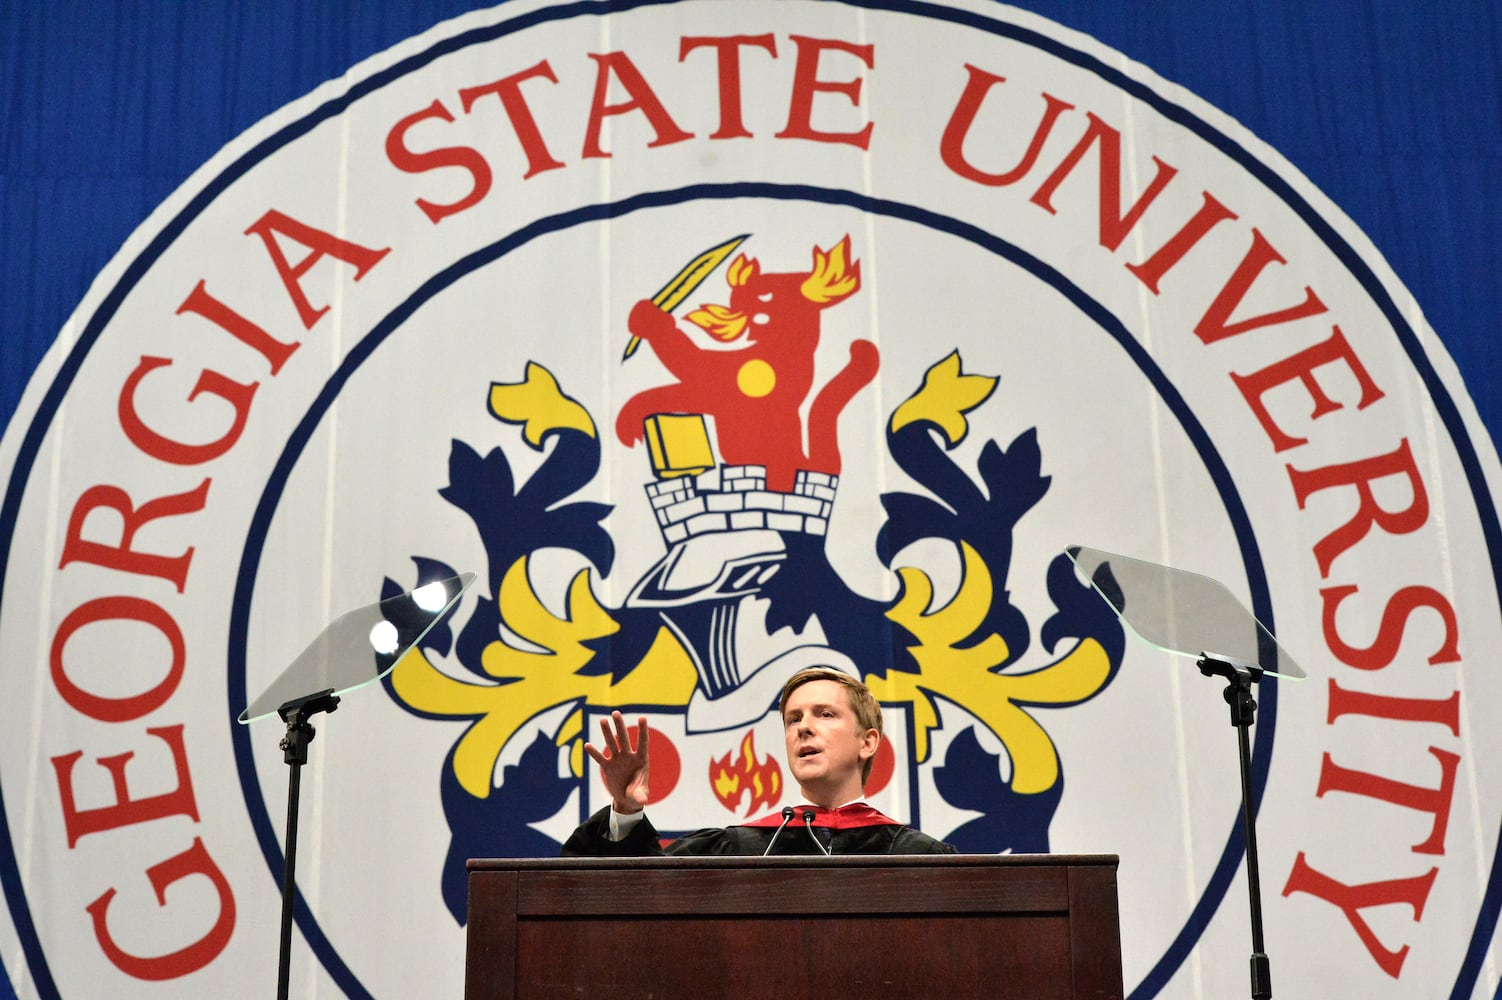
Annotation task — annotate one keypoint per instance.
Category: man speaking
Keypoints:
(832, 728)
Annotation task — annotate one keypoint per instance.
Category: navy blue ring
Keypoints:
(1230, 858)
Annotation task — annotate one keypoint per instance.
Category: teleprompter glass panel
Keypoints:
(1181, 612)
(361, 646)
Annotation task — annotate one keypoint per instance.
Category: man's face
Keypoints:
(825, 743)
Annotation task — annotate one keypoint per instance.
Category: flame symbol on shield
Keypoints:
(732, 781)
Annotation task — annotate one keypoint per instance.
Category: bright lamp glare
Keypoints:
(430, 597)
(383, 638)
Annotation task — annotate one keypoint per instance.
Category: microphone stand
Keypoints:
(787, 817)
(808, 824)
(1238, 695)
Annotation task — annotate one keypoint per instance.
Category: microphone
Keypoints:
(808, 824)
(787, 817)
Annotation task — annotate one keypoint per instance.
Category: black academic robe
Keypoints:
(883, 836)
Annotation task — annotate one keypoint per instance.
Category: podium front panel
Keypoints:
(1025, 927)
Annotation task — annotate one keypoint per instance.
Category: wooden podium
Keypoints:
(1028, 927)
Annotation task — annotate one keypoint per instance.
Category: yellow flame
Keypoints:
(725, 785)
(719, 321)
(832, 278)
(742, 270)
(531, 681)
(955, 668)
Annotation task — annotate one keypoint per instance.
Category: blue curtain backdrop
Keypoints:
(1393, 109)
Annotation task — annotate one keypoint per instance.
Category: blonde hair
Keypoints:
(862, 702)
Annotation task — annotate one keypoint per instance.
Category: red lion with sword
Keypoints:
(755, 391)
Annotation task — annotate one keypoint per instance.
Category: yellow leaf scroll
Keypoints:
(953, 666)
(531, 681)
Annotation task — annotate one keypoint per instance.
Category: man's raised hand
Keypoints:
(623, 763)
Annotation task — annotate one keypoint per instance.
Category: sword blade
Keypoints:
(671, 295)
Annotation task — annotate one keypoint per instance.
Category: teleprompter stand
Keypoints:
(354, 650)
(300, 733)
(1187, 614)
(1238, 694)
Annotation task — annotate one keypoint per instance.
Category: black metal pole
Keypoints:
(1262, 986)
(1238, 695)
(289, 883)
(300, 733)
